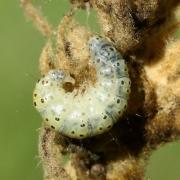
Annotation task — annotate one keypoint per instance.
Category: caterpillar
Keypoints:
(101, 105)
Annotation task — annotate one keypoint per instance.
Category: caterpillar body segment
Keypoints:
(99, 107)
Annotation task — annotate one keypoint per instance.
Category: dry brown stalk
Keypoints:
(142, 31)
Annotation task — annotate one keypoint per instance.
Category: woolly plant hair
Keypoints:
(142, 31)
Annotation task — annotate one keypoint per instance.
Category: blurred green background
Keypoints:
(20, 47)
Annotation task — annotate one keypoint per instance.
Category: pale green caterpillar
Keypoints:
(95, 111)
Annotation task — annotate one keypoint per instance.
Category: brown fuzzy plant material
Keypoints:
(142, 31)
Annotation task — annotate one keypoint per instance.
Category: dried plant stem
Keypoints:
(41, 23)
(50, 155)
(141, 31)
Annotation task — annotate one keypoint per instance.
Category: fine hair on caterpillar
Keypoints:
(99, 107)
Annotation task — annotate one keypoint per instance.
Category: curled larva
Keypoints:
(99, 107)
